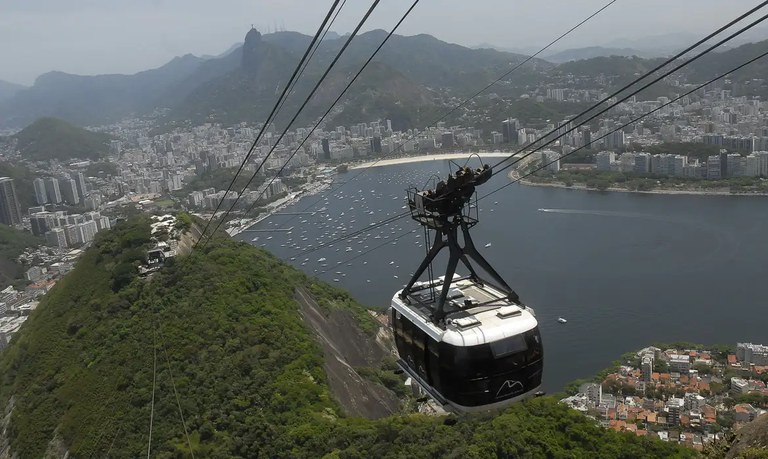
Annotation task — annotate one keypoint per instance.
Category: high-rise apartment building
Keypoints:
(509, 131)
(42, 222)
(52, 190)
(40, 196)
(10, 211)
(56, 238)
(82, 188)
(605, 160)
(69, 193)
(647, 368)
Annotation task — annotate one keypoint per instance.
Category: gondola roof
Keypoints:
(492, 318)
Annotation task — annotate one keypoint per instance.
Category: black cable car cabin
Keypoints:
(471, 344)
(485, 358)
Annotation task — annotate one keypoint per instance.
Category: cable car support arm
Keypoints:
(445, 210)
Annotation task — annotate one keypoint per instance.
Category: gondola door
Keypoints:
(419, 351)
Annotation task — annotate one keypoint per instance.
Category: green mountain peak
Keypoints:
(53, 138)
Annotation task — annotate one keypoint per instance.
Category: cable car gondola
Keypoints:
(471, 344)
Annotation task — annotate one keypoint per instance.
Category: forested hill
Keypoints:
(53, 138)
(233, 356)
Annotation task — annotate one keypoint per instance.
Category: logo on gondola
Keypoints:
(509, 389)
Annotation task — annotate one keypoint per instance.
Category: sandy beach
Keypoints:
(242, 224)
(418, 159)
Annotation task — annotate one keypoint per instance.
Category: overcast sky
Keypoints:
(126, 36)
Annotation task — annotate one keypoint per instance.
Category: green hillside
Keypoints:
(12, 243)
(52, 138)
(749, 81)
(622, 71)
(22, 181)
(233, 355)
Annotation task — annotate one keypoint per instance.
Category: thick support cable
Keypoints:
(637, 80)
(697, 88)
(333, 190)
(375, 52)
(517, 180)
(278, 104)
(298, 112)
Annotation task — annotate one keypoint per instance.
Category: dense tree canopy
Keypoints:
(222, 329)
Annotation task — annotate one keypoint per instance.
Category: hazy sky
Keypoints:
(126, 36)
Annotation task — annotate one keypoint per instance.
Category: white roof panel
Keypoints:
(496, 319)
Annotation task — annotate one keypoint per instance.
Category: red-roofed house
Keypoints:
(619, 426)
(709, 413)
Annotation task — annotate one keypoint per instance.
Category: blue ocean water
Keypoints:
(625, 269)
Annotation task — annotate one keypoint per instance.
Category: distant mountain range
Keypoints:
(95, 99)
(749, 81)
(578, 54)
(241, 84)
(408, 82)
(651, 46)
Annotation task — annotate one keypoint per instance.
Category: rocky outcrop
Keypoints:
(751, 438)
(749, 442)
(345, 347)
(5, 420)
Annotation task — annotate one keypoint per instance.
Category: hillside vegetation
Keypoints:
(232, 355)
(52, 138)
(22, 181)
(12, 244)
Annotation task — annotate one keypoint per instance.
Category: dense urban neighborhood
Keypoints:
(690, 395)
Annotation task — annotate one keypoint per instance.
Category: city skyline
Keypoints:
(85, 37)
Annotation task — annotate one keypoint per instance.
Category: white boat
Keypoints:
(320, 260)
(487, 245)
(561, 320)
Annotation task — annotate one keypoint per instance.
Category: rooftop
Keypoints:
(475, 313)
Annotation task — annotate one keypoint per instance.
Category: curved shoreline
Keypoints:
(422, 158)
(580, 187)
